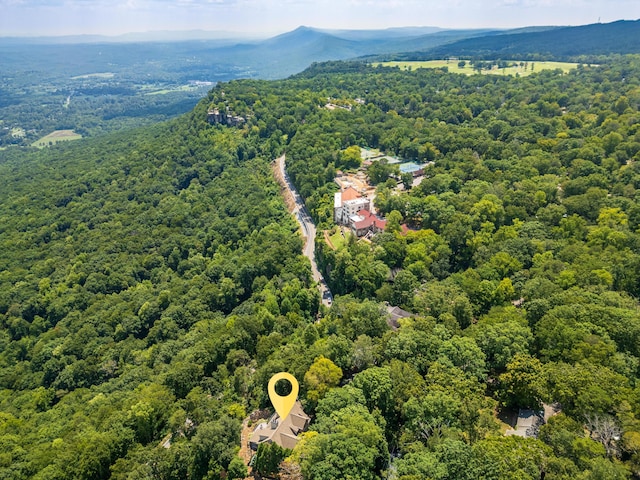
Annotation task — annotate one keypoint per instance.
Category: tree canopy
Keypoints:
(152, 282)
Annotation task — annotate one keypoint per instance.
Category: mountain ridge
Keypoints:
(621, 36)
(306, 45)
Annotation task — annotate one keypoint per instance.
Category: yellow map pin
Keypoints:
(283, 405)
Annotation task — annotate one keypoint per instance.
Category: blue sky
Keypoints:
(112, 17)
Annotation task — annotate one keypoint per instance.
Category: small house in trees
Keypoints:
(395, 314)
(527, 424)
(282, 432)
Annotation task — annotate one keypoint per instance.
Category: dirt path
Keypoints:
(245, 452)
(327, 239)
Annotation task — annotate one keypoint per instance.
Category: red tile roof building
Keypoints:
(366, 222)
(350, 193)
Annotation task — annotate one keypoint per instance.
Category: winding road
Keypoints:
(308, 232)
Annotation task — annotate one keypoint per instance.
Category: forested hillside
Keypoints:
(122, 260)
(587, 41)
(151, 283)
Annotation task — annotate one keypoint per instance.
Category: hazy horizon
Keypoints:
(32, 18)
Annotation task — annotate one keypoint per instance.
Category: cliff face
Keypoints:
(214, 116)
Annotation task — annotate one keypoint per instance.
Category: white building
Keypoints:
(347, 203)
(350, 209)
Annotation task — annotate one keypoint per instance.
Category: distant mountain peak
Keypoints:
(301, 34)
(304, 28)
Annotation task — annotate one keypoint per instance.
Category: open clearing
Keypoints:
(18, 132)
(336, 238)
(55, 137)
(182, 88)
(515, 67)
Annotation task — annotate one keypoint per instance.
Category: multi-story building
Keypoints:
(347, 203)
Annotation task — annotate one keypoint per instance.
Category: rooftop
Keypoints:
(283, 432)
(356, 201)
(410, 167)
(527, 424)
(395, 314)
(350, 193)
(366, 219)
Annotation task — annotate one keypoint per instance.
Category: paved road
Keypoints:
(308, 231)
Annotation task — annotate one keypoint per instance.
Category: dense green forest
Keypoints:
(151, 283)
(621, 37)
(122, 260)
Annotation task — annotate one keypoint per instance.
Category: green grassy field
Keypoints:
(182, 88)
(513, 69)
(337, 239)
(55, 137)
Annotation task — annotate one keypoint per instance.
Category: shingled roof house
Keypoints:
(282, 432)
